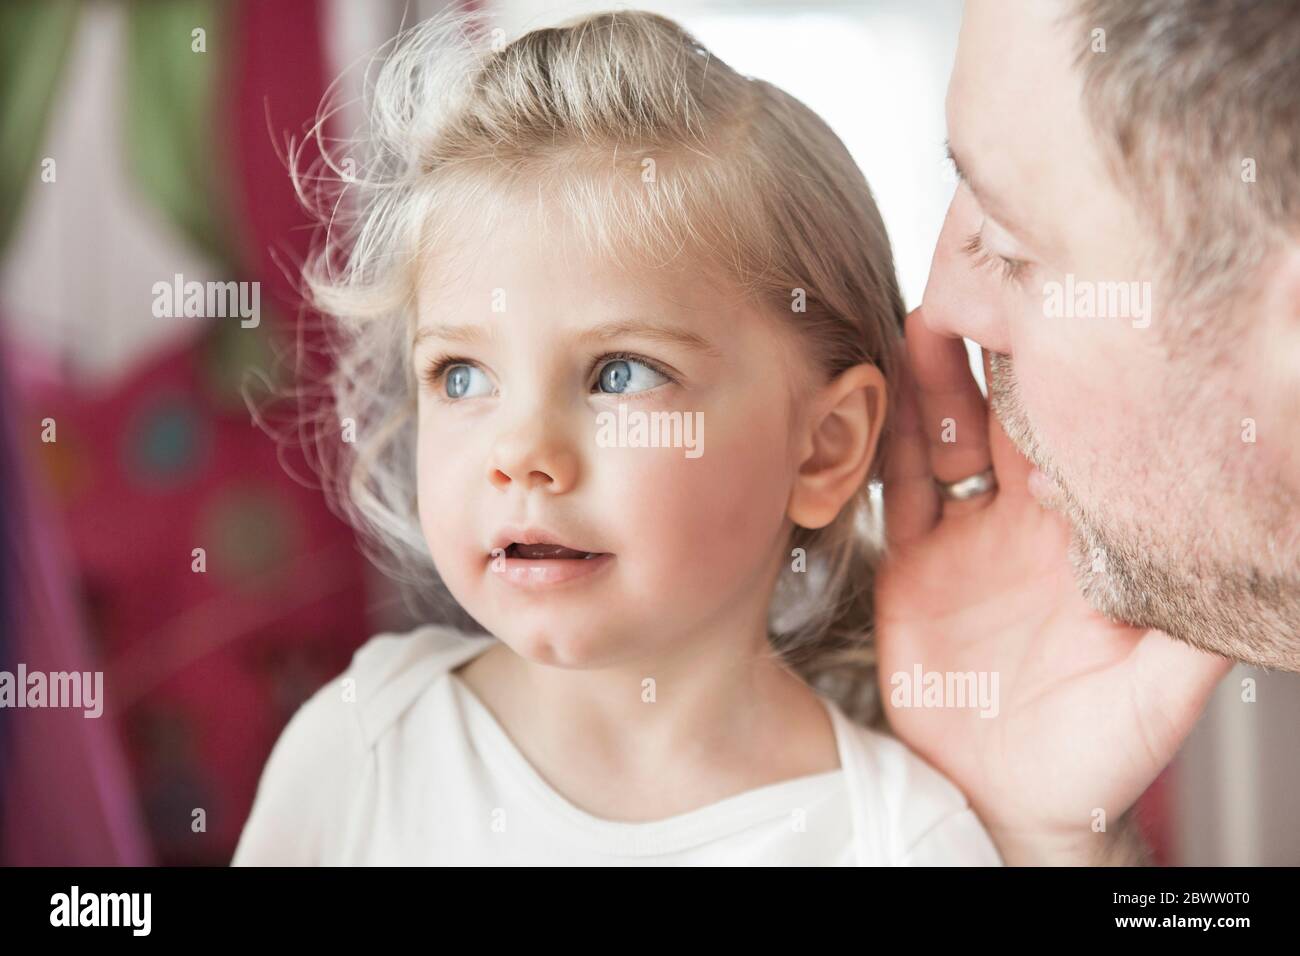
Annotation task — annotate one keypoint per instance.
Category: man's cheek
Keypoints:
(1058, 401)
(1079, 406)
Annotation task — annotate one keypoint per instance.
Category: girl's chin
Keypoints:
(566, 644)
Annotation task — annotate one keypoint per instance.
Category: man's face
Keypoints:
(1173, 457)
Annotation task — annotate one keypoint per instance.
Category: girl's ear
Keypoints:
(838, 445)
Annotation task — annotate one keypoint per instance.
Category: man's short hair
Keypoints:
(1198, 104)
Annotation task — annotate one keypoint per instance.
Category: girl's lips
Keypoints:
(533, 574)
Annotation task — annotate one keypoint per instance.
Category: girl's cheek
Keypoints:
(699, 520)
(445, 482)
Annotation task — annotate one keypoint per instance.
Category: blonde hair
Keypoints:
(741, 172)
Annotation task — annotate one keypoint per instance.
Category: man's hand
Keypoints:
(1090, 711)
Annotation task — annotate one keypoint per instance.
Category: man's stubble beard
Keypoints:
(1240, 613)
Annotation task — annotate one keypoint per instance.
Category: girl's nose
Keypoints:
(533, 455)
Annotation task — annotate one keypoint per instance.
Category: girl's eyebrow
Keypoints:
(464, 334)
(667, 334)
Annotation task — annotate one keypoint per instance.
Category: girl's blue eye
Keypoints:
(460, 382)
(622, 376)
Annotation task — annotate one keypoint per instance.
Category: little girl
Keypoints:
(617, 325)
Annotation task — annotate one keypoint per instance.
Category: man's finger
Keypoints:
(911, 499)
(953, 414)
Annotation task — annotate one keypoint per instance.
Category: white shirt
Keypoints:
(397, 762)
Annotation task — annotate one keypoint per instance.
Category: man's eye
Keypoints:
(624, 375)
(465, 381)
(1012, 270)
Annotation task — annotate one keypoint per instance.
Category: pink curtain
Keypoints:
(65, 792)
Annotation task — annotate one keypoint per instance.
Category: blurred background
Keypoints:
(141, 141)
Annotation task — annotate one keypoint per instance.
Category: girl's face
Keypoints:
(526, 348)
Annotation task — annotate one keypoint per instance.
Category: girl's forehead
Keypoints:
(496, 265)
(527, 255)
(534, 295)
(558, 297)
(574, 220)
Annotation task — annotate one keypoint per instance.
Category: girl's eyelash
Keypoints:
(632, 357)
(439, 364)
(1011, 270)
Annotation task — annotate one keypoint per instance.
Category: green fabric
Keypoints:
(174, 95)
(35, 37)
(171, 102)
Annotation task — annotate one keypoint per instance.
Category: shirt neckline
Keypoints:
(670, 834)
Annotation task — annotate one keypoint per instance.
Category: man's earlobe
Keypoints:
(843, 431)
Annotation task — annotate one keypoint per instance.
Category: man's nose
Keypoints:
(534, 454)
(963, 297)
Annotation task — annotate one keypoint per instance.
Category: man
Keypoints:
(1125, 246)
